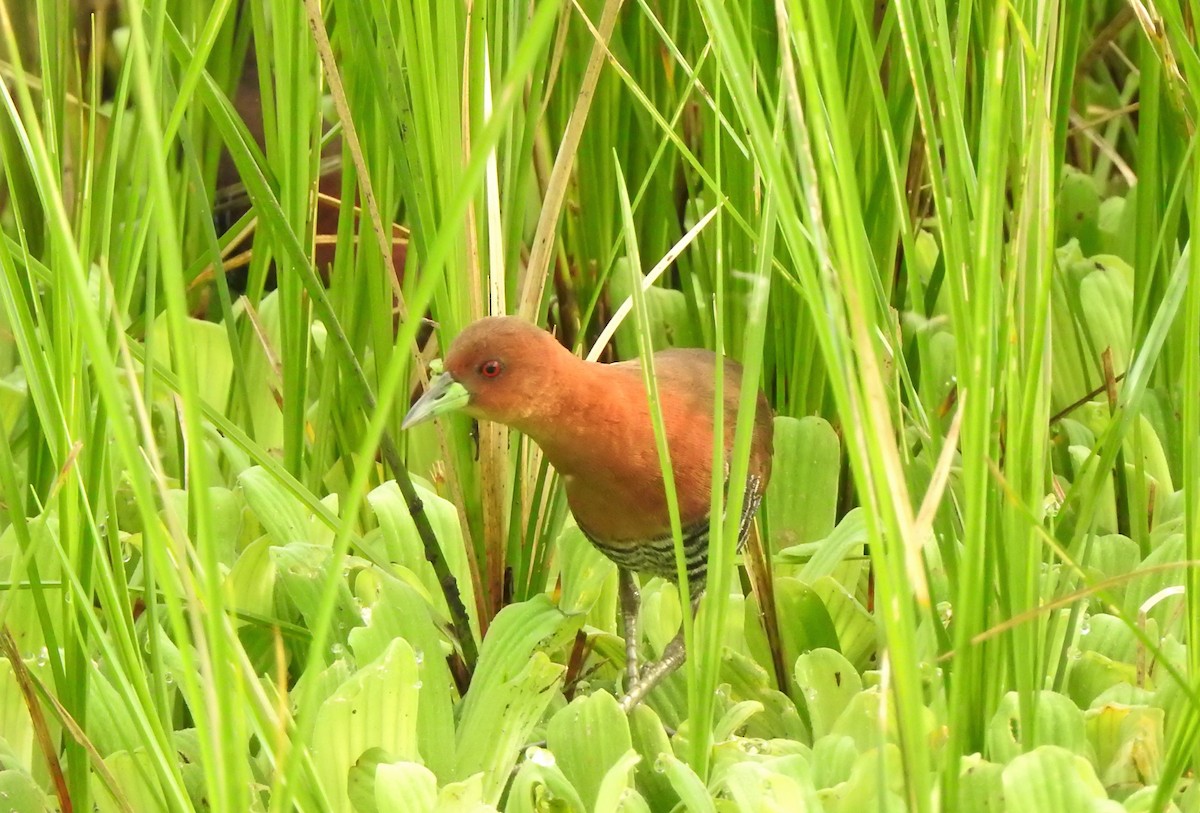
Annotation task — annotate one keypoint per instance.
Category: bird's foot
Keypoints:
(653, 674)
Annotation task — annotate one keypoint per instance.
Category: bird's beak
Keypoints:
(444, 395)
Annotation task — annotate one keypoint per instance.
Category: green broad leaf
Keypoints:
(1117, 228)
(1073, 366)
(1112, 555)
(404, 546)
(190, 753)
(15, 726)
(1146, 447)
(405, 787)
(540, 785)
(283, 516)
(1124, 694)
(1104, 517)
(1052, 779)
(375, 708)
(251, 581)
(857, 634)
(360, 782)
(980, 789)
(463, 797)
(398, 611)
(589, 579)
(782, 784)
(863, 715)
(1168, 517)
(689, 787)
(302, 570)
(734, 718)
(828, 682)
(748, 680)
(1078, 210)
(924, 262)
(14, 396)
(660, 615)
(802, 496)
(22, 617)
(616, 791)
(20, 794)
(939, 368)
(261, 373)
(804, 623)
(1059, 722)
(207, 344)
(1160, 409)
(1143, 801)
(1106, 301)
(226, 520)
(513, 684)
(1142, 444)
(876, 783)
(379, 786)
(1108, 635)
(1143, 588)
(587, 738)
(670, 323)
(650, 740)
(113, 729)
(833, 758)
(135, 777)
(822, 556)
(1128, 743)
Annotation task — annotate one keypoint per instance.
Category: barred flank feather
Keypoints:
(656, 557)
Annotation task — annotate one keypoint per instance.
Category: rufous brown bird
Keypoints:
(593, 423)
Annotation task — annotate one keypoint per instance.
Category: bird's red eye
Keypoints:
(490, 368)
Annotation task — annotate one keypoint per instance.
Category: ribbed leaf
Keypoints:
(511, 689)
(589, 737)
(1050, 779)
(779, 785)
(802, 495)
(399, 612)
(375, 708)
(828, 682)
(1059, 723)
(404, 546)
(540, 785)
(20, 794)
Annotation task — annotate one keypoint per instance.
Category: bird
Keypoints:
(593, 423)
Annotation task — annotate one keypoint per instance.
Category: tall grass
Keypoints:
(952, 242)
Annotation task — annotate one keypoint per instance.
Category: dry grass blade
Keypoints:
(542, 249)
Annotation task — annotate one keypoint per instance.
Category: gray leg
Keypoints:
(631, 599)
(672, 658)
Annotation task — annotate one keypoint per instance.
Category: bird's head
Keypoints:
(500, 369)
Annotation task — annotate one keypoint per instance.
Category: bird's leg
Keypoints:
(631, 600)
(672, 658)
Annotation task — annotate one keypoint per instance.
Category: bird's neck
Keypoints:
(584, 421)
